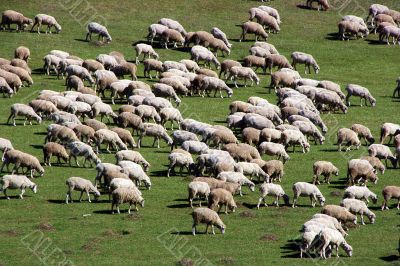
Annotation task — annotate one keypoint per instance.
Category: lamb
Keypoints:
(333, 237)
(348, 137)
(267, 21)
(361, 193)
(226, 65)
(82, 185)
(43, 19)
(133, 156)
(269, 189)
(156, 131)
(305, 189)
(375, 162)
(389, 130)
(276, 60)
(308, 129)
(12, 80)
(19, 109)
(209, 217)
(173, 24)
(201, 53)
(356, 206)
(123, 195)
(13, 17)
(109, 137)
(306, 59)
(136, 173)
(382, 152)
(125, 136)
(52, 148)
(198, 189)
(92, 65)
(22, 53)
(21, 159)
(352, 28)
(219, 34)
(171, 114)
(238, 72)
(78, 148)
(361, 169)
(181, 160)
(340, 213)
(216, 84)
(324, 168)
(17, 182)
(273, 149)
(164, 90)
(101, 30)
(220, 197)
(293, 137)
(253, 27)
(362, 92)
(145, 49)
(322, 4)
(390, 192)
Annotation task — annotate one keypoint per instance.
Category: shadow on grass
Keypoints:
(36, 146)
(291, 249)
(333, 36)
(162, 173)
(249, 205)
(81, 40)
(376, 42)
(301, 6)
(181, 200)
(187, 233)
(390, 258)
(178, 206)
(109, 211)
(40, 133)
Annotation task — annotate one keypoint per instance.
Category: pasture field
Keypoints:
(159, 234)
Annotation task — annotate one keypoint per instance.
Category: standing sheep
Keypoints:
(305, 189)
(13, 17)
(252, 27)
(361, 193)
(49, 21)
(129, 195)
(349, 138)
(340, 213)
(209, 217)
(269, 189)
(145, 49)
(22, 53)
(363, 132)
(82, 185)
(306, 59)
(358, 169)
(362, 92)
(78, 148)
(17, 182)
(53, 148)
(96, 28)
(324, 168)
(220, 197)
(198, 189)
(19, 109)
(356, 206)
(332, 237)
(390, 192)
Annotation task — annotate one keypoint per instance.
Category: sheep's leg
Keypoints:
(118, 209)
(207, 229)
(88, 195)
(80, 197)
(5, 193)
(259, 202)
(194, 229)
(362, 219)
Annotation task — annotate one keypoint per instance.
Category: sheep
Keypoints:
(219, 137)
(5, 88)
(52, 148)
(293, 137)
(375, 162)
(226, 65)
(12, 80)
(305, 189)
(376, 9)
(355, 19)
(308, 129)
(257, 121)
(216, 84)
(43, 19)
(64, 63)
(349, 138)
(82, 185)
(330, 100)
(108, 61)
(242, 151)
(394, 14)
(171, 35)
(332, 86)
(201, 53)
(273, 168)
(389, 130)
(273, 149)
(21, 159)
(315, 119)
(74, 82)
(253, 27)
(250, 135)
(59, 53)
(5, 145)
(164, 90)
(220, 197)
(240, 106)
(361, 193)
(136, 173)
(267, 46)
(20, 72)
(19, 109)
(362, 92)
(272, 12)
(254, 61)
(198, 189)
(363, 132)
(145, 49)
(157, 102)
(306, 59)
(101, 30)
(175, 83)
(92, 65)
(281, 78)
(252, 169)
(129, 195)
(133, 156)
(125, 136)
(79, 71)
(195, 147)
(269, 189)
(84, 133)
(108, 171)
(13, 17)
(267, 21)
(155, 30)
(20, 63)
(390, 192)
(237, 178)
(238, 72)
(155, 131)
(276, 60)
(324, 168)
(361, 169)
(181, 160)
(180, 136)
(145, 112)
(109, 137)
(340, 213)
(22, 53)
(209, 217)
(127, 119)
(171, 114)
(382, 152)
(89, 99)
(78, 148)
(95, 124)
(17, 182)
(173, 24)
(125, 68)
(333, 237)
(219, 34)
(322, 4)
(356, 206)
(79, 109)
(102, 109)
(352, 28)
(329, 221)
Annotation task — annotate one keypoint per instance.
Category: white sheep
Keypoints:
(200, 53)
(145, 49)
(82, 185)
(307, 190)
(78, 148)
(361, 193)
(252, 169)
(359, 169)
(238, 178)
(293, 137)
(325, 169)
(109, 137)
(219, 34)
(273, 149)
(181, 160)
(382, 152)
(245, 73)
(16, 182)
(133, 156)
(96, 28)
(333, 237)
(269, 189)
(349, 138)
(171, 114)
(362, 92)
(356, 206)
(19, 109)
(212, 83)
(209, 217)
(122, 195)
(155, 30)
(198, 189)
(306, 59)
(389, 130)
(5, 145)
(173, 24)
(43, 19)
(164, 90)
(136, 173)
(194, 146)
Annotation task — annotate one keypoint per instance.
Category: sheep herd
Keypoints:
(222, 159)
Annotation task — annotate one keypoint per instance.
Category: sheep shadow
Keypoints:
(40, 133)
(178, 206)
(187, 233)
(141, 41)
(81, 40)
(161, 173)
(36, 146)
(291, 249)
(182, 49)
(329, 150)
(56, 201)
(249, 205)
(375, 42)
(38, 71)
(390, 258)
(181, 199)
(109, 211)
(301, 6)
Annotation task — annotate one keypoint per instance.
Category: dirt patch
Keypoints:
(227, 260)
(11, 232)
(91, 245)
(126, 232)
(110, 232)
(133, 217)
(350, 225)
(185, 262)
(46, 227)
(247, 214)
(336, 193)
(68, 252)
(269, 237)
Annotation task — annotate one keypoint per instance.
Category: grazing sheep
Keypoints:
(171, 114)
(238, 72)
(219, 34)
(156, 131)
(74, 82)
(78, 148)
(109, 137)
(22, 53)
(101, 30)
(340, 213)
(13, 17)
(84, 133)
(376, 9)
(43, 19)
(92, 65)
(352, 28)
(20, 72)
(5, 88)
(145, 49)
(331, 237)
(82, 185)
(271, 11)
(355, 19)
(164, 90)
(180, 136)
(251, 135)
(382, 152)
(198, 189)
(194, 146)
(125, 136)
(358, 169)
(361, 193)
(52, 148)
(155, 30)
(390, 192)
(17, 182)
(349, 138)
(103, 109)
(332, 86)
(363, 132)
(308, 128)
(95, 124)
(329, 100)
(190, 65)
(218, 45)
(12, 79)
(254, 61)
(257, 121)
(136, 173)
(226, 65)
(322, 4)
(307, 190)
(200, 53)
(306, 59)
(273, 149)
(21, 159)
(267, 46)
(126, 195)
(125, 68)
(362, 92)
(209, 217)
(157, 102)
(252, 169)
(175, 83)
(5, 145)
(181, 160)
(79, 71)
(252, 27)
(61, 133)
(237, 178)
(273, 168)
(173, 24)
(19, 109)
(293, 137)
(325, 169)
(281, 78)
(220, 197)
(127, 119)
(170, 35)
(216, 84)
(268, 21)
(389, 130)
(375, 162)
(356, 206)
(276, 60)
(133, 156)
(269, 189)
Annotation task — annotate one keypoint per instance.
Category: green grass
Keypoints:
(252, 237)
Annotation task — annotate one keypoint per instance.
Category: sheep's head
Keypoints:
(374, 198)
(316, 69)
(147, 183)
(34, 188)
(221, 226)
(321, 200)
(321, 140)
(286, 199)
(96, 194)
(142, 203)
(372, 218)
(348, 249)
(58, 27)
(371, 139)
